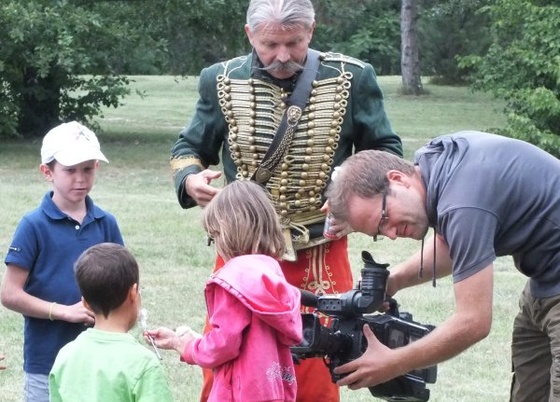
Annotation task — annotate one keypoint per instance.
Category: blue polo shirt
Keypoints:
(47, 243)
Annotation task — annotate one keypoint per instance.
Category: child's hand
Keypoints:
(164, 338)
(74, 313)
(186, 330)
(187, 334)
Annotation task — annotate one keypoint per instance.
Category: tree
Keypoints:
(365, 29)
(197, 32)
(46, 50)
(450, 29)
(410, 64)
(522, 67)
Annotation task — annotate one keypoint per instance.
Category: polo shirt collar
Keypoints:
(52, 211)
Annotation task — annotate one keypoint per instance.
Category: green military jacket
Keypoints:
(238, 113)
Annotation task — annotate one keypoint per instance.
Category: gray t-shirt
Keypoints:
(491, 196)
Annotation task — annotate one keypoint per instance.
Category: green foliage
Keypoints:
(49, 46)
(9, 109)
(523, 67)
(363, 29)
(449, 29)
(370, 30)
(196, 32)
(137, 48)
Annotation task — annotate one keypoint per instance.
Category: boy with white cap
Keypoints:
(39, 281)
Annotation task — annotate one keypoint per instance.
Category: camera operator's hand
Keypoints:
(371, 368)
(198, 187)
(338, 228)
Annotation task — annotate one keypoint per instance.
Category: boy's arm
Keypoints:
(14, 297)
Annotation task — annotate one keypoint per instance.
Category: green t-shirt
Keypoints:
(102, 366)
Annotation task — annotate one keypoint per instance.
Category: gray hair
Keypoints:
(288, 13)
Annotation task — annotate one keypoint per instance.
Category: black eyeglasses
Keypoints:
(384, 217)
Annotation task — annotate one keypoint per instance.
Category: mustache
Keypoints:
(288, 66)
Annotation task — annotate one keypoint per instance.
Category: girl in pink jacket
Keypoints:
(254, 313)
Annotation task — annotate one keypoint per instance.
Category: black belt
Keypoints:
(315, 231)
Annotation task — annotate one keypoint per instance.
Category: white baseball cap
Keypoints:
(70, 144)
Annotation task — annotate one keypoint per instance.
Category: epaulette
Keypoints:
(236, 62)
(341, 58)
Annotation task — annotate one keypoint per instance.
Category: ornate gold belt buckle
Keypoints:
(293, 115)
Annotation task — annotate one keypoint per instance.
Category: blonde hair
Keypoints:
(241, 219)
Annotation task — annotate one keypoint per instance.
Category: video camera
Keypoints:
(343, 341)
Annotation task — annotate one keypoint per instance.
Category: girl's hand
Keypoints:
(164, 338)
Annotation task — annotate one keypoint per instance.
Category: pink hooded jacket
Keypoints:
(254, 315)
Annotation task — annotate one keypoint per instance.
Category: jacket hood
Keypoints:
(258, 282)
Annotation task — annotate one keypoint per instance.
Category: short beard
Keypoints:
(290, 67)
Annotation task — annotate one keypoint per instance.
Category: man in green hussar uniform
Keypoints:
(241, 104)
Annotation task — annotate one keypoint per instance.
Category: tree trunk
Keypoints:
(410, 64)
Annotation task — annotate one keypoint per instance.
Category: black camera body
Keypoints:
(343, 341)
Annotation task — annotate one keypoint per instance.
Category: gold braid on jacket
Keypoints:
(253, 110)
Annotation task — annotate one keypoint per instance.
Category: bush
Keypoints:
(47, 47)
(522, 67)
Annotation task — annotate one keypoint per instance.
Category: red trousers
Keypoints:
(320, 269)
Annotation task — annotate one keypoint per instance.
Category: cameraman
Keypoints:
(485, 196)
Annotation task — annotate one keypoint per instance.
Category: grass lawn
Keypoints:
(170, 246)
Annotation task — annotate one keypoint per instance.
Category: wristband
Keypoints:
(51, 310)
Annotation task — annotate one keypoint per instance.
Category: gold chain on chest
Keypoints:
(253, 110)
